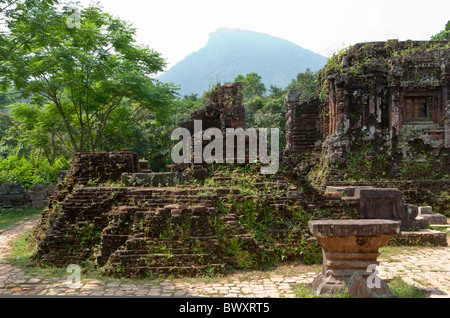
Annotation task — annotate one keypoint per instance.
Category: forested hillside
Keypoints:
(230, 52)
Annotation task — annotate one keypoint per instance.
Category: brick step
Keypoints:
(298, 138)
(303, 144)
(169, 259)
(299, 132)
(188, 271)
(304, 140)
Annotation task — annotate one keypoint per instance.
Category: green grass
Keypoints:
(304, 291)
(9, 218)
(396, 285)
(21, 250)
(20, 255)
(403, 290)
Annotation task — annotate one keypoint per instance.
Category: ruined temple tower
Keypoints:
(395, 94)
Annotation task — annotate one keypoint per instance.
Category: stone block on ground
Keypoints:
(425, 210)
(423, 237)
(433, 218)
(381, 204)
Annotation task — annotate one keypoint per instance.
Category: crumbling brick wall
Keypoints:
(381, 87)
(224, 109)
(100, 167)
(134, 232)
(302, 124)
(386, 101)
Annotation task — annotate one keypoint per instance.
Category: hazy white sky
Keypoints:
(176, 28)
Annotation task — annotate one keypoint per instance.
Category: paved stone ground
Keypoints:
(427, 268)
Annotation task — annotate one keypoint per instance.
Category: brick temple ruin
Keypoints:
(393, 94)
(110, 209)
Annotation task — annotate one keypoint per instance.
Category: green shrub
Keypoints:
(28, 172)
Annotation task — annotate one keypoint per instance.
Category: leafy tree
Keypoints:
(192, 97)
(252, 85)
(29, 171)
(7, 98)
(32, 16)
(89, 75)
(276, 92)
(151, 139)
(5, 124)
(252, 106)
(444, 35)
(34, 130)
(272, 115)
(306, 82)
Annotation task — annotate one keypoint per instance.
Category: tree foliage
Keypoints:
(90, 75)
(444, 35)
(252, 85)
(31, 17)
(89, 87)
(306, 82)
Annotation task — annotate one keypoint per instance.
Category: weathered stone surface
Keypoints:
(425, 210)
(140, 231)
(388, 204)
(13, 196)
(381, 204)
(100, 167)
(154, 178)
(435, 218)
(385, 108)
(356, 228)
(39, 204)
(386, 102)
(224, 109)
(38, 196)
(348, 191)
(358, 287)
(422, 237)
(412, 211)
(415, 224)
(143, 166)
(350, 247)
(51, 189)
(301, 123)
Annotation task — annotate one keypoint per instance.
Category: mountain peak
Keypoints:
(230, 52)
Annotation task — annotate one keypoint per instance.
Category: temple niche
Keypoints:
(392, 95)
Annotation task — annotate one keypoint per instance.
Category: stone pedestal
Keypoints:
(350, 252)
(427, 213)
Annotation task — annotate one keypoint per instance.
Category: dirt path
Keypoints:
(10, 234)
